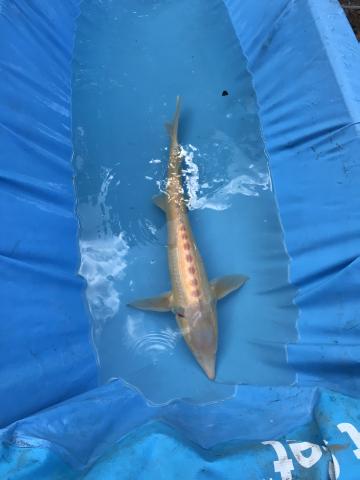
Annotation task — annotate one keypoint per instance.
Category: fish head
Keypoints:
(201, 335)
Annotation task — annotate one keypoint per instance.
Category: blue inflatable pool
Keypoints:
(57, 420)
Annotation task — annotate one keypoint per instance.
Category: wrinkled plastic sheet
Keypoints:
(304, 61)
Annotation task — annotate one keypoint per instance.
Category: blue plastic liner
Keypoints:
(305, 63)
(45, 351)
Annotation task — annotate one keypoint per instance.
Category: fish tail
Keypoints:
(172, 127)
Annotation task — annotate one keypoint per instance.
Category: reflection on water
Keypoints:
(132, 59)
(151, 344)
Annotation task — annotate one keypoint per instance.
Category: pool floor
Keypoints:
(131, 61)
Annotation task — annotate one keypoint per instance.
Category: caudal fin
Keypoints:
(172, 127)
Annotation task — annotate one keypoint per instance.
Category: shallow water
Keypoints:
(131, 60)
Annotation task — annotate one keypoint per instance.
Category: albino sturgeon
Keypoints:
(192, 297)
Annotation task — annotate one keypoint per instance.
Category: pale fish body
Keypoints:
(192, 298)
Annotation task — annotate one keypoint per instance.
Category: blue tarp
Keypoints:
(45, 353)
(304, 61)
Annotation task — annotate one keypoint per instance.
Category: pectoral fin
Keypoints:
(162, 303)
(160, 201)
(225, 285)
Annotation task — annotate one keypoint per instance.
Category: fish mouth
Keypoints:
(208, 365)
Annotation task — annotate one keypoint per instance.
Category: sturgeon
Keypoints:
(192, 297)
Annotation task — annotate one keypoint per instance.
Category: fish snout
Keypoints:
(207, 363)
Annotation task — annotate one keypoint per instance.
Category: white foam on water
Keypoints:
(103, 263)
(191, 175)
(248, 184)
(151, 227)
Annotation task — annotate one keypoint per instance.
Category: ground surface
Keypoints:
(352, 10)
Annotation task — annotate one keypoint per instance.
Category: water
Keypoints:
(132, 58)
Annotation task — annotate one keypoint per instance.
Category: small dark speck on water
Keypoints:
(225, 93)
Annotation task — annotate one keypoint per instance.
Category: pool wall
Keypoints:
(45, 353)
(305, 65)
(304, 61)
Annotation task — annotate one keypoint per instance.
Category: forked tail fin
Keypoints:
(172, 127)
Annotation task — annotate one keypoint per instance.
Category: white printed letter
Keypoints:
(309, 460)
(353, 433)
(283, 465)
